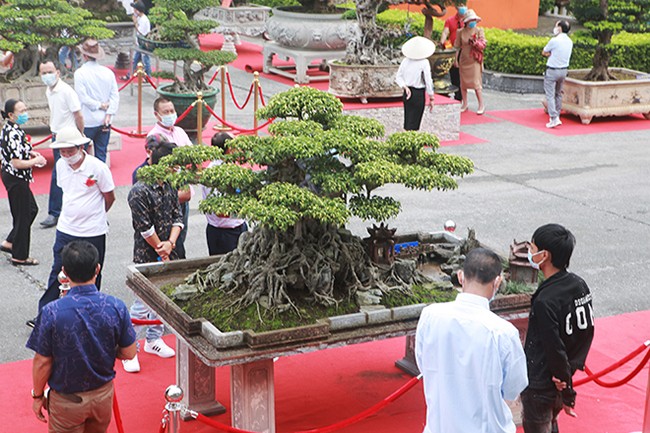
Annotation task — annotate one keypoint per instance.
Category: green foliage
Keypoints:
(545, 5)
(275, 3)
(410, 23)
(316, 165)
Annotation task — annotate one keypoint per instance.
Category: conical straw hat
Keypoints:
(418, 48)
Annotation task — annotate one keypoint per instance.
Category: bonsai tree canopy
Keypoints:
(603, 19)
(316, 170)
(173, 22)
(26, 25)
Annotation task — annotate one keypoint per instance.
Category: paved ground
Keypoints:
(597, 185)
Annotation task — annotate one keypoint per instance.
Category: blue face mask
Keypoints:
(462, 10)
(168, 120)
(530, 259)
(471, 24)
(22, 118)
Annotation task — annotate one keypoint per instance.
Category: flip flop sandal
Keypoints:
(28, 262)
(5, 249)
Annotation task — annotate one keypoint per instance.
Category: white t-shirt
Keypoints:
(560, 48)
(471, 360)
(143, 25)
(83, 211)
(63, 102)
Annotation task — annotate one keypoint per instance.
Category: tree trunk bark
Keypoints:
(599, 71)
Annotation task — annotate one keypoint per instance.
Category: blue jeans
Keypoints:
(100, 136)
(146, 62)
(60, 241)
(140, 311)
(66, 53)
(56, 194)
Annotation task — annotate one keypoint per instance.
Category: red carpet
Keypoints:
(571, 125)
(463, 139)
(471, 118)
(320, 388)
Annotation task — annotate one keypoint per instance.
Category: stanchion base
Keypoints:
(207, 409)
(408, 366)
(222, 128)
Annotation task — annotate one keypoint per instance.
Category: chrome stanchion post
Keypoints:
(256, 92)
(199, 117)
(173, 395)
(140, 73)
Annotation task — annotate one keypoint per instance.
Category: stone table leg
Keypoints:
(408, 364)
(197, 381)
(252, 396)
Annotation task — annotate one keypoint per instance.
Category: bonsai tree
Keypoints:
(173, 21)
(317, 169)
(34, 30)
(368, 48)
(603, 20)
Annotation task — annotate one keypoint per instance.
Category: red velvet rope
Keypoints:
(185, 113)
(614, 366)
(150, 81)
(215, 75)
(145, 322)
(116, 413)
(259, 86)
(128, 134)
(126, 84)
(163, 426)
(237, 128)
(346, 422)
(232, 93)
(623, 381)
(42, 141)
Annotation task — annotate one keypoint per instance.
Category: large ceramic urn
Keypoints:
(308, 31)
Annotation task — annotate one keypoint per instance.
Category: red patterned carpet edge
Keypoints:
(319, 388)
(571, 125)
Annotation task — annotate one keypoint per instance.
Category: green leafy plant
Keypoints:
(26, 25)
(173, 22)
(300, 186)
(603, 19)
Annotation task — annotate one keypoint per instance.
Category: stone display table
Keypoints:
(302, 59)
(201, 347)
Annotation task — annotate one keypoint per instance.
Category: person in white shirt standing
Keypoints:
(65, 112)
(470, 358)
(414, 76)
(97, 89)
(88, 194)
(558, 50)
(142, 28)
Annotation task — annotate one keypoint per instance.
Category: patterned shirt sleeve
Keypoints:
(139, 204)
(40, 340)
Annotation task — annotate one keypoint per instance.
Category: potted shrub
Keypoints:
(173, 22)
(605, 91)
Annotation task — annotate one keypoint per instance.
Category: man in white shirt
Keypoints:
(558, 50)
(88, 189)
(65, 112)
(97, 89)
(470, 358)
(142, 28)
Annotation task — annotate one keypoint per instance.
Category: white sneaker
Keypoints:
(553, 122)
(158, 347)
(131, 365)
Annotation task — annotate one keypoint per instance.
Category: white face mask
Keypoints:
(556, 31)
(72, 160)
(530, 259)
(49, 79)
(168, 120)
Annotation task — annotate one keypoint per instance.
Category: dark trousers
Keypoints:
(454, 75)
(540, 410)
(61, 240)
(23, 211)
(223, 240)
(100, 136)
(413, 109)
(56, 194)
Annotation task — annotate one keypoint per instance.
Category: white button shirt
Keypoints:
(411, 72)
(471, 360)
(560, 48)
(95, 84)
(63, 103)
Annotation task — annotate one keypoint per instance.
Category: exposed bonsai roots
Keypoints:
(321, 263)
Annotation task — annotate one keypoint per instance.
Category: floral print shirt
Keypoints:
(14, 145)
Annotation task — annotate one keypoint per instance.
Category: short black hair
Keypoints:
(80, 259)
(219, 139)
(558, 241)
(482, 265)
(158, 101)
(564, 25)
(10, 107)
(160, 150)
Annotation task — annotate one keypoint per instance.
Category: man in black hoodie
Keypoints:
(560, 331)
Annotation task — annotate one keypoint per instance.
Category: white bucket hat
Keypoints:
(470, 15)
(69, 137)
(418, 48)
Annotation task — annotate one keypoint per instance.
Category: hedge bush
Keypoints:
(517, 53)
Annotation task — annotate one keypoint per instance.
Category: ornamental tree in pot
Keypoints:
(318, 169)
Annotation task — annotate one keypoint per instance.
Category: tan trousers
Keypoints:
(83, 412)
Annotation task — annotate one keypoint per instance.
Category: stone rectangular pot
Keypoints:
(587, 99)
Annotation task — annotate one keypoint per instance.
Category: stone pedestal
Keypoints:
(302, 59)
(252, 396)
(197, 380)
(408, 364)
(237, 21)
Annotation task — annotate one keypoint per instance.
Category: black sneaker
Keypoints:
(50, 221)
(31, 323)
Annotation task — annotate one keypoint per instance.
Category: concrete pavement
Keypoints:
(597, 185)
